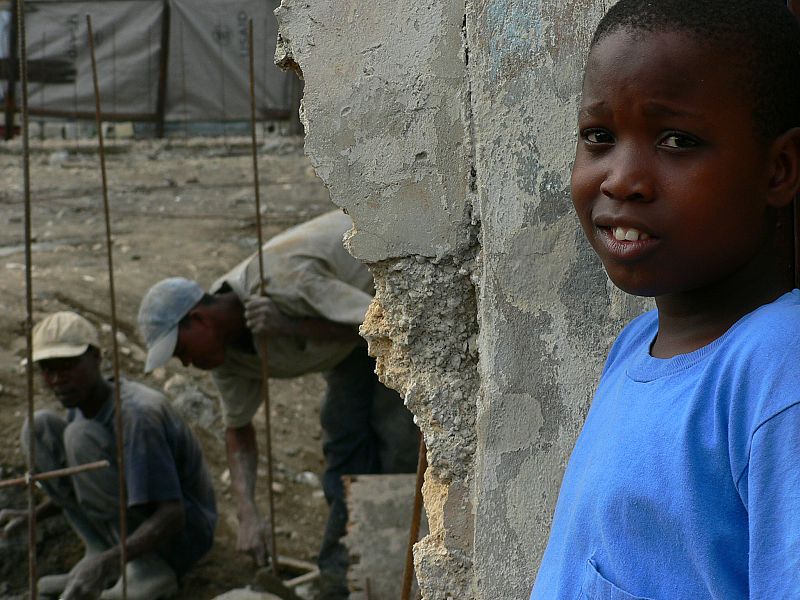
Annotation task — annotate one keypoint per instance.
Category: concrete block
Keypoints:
(380, 509)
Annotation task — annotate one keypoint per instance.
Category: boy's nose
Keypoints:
(628, 177)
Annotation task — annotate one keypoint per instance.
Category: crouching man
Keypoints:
(171, 508)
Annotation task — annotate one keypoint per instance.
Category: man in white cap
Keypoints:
(316, 297)
(171, 508)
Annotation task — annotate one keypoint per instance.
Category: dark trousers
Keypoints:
(366, 429)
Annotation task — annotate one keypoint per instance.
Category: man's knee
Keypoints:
(97, 490)
(396, 431)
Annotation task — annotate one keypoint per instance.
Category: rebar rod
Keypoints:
(100, 464)
(263, 290)
(123, 523)
(26, 177)
(413, 533)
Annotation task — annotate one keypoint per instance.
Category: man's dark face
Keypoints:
(198, 344)
(72, 380)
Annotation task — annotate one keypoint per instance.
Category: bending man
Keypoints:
(316, 297)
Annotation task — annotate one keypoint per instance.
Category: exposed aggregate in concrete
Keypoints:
(422, 328)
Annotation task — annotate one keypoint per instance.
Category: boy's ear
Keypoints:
(785, 178)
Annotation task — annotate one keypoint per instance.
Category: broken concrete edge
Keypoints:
(422, 326)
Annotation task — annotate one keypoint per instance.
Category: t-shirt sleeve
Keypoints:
(151, 474)
(770, 487)
(240, 396)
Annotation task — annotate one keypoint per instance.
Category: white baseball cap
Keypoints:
(63, 335)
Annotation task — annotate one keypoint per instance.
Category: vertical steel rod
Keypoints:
(183, 82)
(123, 522)
(26, 176)
(413, 533)
(222, 82)
(263, 290)
(163, 68)
(13, 55)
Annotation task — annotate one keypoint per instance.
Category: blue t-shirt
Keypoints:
(164, 462)
(685, 481)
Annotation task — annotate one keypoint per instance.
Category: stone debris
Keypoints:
(308, 478)
(193, 404)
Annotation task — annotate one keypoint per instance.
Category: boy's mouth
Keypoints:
(626, 243)
(628, 234)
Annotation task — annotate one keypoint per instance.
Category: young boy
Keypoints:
(685, 481)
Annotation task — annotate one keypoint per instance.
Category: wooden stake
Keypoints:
(123, 523)
(413, 534)
(263, 291)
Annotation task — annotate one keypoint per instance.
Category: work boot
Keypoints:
(149, 578)
(53, 585)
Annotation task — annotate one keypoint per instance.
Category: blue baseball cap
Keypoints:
(162, 308)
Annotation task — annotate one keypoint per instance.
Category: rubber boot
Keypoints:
(52, 585)
(149, 578)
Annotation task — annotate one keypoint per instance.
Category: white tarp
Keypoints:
(209, 60)
(207, 76)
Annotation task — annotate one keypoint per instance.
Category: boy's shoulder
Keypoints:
(763, 343)
(772, 329)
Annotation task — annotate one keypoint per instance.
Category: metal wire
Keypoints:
(100, 464)
(123, 523)
(263, 290)
(26, 176)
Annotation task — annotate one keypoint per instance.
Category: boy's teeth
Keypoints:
(629, 235)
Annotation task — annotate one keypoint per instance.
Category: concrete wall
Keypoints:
(447, 130)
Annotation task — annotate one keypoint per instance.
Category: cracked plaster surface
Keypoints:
(385, 111)
(446, 130)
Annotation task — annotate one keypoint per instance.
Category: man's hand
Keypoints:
(92, 576)
(253, 537)
(12, 521)
(264, 319)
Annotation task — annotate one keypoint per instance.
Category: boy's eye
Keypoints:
(597, 136)
(679, 141)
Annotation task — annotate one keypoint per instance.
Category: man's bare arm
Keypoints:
(242, 452)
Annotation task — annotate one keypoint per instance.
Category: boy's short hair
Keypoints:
(762, 35)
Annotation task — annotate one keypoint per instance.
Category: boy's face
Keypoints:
(670, 177)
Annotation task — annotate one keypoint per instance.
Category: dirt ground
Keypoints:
(183, 208)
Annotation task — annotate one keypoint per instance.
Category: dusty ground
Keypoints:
(178, 208)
